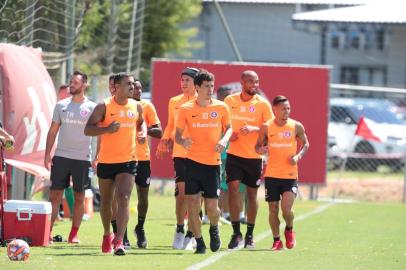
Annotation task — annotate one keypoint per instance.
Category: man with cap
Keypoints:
(181, 241)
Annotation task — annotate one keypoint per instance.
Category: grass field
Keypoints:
(339, 236)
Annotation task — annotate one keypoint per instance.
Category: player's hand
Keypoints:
(247, 129)
(262, 150)
(219, 147)
(141, 138)
(94, 163)
(47, 162)
(162, 148)
(234, 136)
(294, 159)
(187, 143)
(113, 127)
(170, 145)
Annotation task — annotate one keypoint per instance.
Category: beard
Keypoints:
(250, 92)
(74, 91)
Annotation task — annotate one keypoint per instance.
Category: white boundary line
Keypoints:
(258, 238)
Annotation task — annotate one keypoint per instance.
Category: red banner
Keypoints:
(307, 88)
(28, 102)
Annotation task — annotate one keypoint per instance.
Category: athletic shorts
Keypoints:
(63, 169)
(179, 166)
(275, 187)
(110, 170)
(246, 170)
(143, 173)
(202, 178)
(223, 184)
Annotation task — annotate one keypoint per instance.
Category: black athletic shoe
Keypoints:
(215, 241)
(200, 248)
(249, 241)
(126, 244)
(236, 241)
(141, 239)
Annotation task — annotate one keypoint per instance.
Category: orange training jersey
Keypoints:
(282, 145)
(120, 146)
(173, 110)
(206, 126)
(254, 112)
(150, 118)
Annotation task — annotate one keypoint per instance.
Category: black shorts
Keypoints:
(275, 187)
(246, 170)
(110, 170)
(180, 171)
(143, 173)
(63, 169)
(202, 178)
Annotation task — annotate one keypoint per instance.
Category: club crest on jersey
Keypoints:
(205, 115)
(287, 134)
(251, 109)
(130, 114)
(84, 113)
(213, 114)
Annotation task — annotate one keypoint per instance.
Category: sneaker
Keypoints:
(200, 249)
(119, 249)
(141, 239)
(215, 241)
(205, 219)
(243, 220)
(236, 241)
(290, 239)
(106, 245)
(189, 243)
(126, 244)
(277, 245)
(178, 240)
(249, 241)
(73, 238)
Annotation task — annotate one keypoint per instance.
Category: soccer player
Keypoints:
(118, 121)
(73, 152)
(279, 138)
(206, 119)
(248, 112)
(180, 241)
(142, 179)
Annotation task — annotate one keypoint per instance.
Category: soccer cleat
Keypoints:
(178, 240)
(189, 243)
(215, 241)
(277, 245)
(290, 239)
(126, 244)
(119, 249)
(236, 241)
(141, 239)
(107, 243)
(200, 248)
(249, 241)
(73, 238)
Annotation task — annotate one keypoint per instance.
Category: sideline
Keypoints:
(258, 238)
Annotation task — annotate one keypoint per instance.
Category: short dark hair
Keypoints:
(83, 75)
(202, 76)
(223, 89)
(279, 99)
(111, 77)
(190, 71)
(63, 86)
(120, 76)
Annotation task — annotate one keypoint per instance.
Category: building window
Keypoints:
(374, 76)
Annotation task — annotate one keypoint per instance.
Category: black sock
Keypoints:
(114, 225)
(276, 239)
(141, 221)
(288, 228)
(250, 228)
(236, 227)
(189, 234)
(125, 238)
(180, 228)
(213, 228)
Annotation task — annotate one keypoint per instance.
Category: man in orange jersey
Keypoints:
(180, 241)
(142, 179)
(248, 112)
(206, 119)
(279, 138)
(118, 121)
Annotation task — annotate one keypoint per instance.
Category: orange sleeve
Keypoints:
(268, 114)
(181, 122)
(171, 121)
(151, 117)
(226, 121)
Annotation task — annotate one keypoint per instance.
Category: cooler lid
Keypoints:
(37, 207)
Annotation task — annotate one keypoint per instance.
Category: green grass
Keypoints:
(344, 236)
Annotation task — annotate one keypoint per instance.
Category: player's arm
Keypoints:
(165, 143)
(141, 126)
(247, 129)
(155, 131)
(6, 136)
(97, 116)
(51, 136)
(262, 141)
(221, 145)
(302, 137)
(180, 128)
(154, 125)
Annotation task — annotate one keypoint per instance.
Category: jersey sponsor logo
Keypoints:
(84, 112)
(205, 125)
(281, 145)
(130, 114)
(213, 114)
(251, 109)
